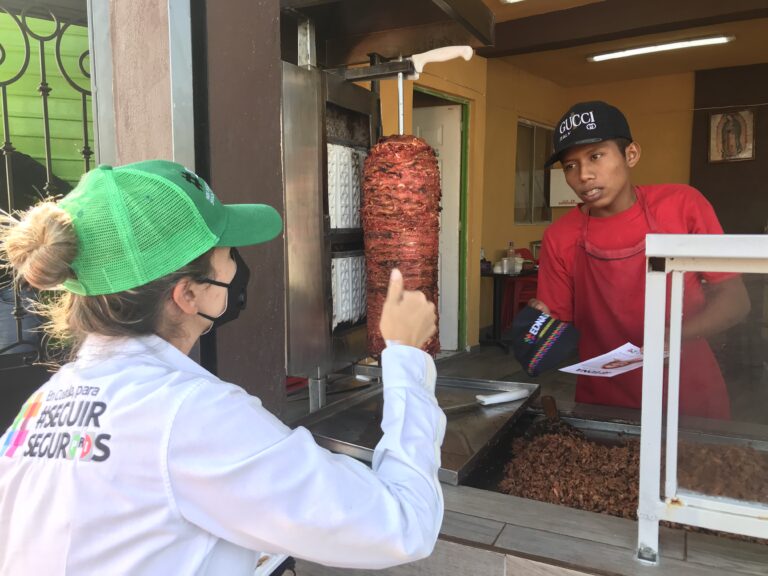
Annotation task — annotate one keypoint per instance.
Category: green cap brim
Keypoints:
(249, 224)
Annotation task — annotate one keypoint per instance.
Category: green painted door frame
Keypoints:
(463, 185)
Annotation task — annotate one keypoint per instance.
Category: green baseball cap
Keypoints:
(138, 222)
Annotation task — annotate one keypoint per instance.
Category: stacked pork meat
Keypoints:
(401, 224)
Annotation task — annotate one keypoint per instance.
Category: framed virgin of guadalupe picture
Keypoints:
(732, 136)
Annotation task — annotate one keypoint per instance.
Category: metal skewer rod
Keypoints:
(400, 105)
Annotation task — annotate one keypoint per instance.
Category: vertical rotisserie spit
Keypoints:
(401, 224)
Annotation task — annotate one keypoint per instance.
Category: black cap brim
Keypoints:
(556, 156)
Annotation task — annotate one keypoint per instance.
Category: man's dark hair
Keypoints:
(621, 144)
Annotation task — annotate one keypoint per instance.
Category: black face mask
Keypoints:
(236, 293)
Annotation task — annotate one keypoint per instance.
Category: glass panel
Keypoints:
(523, 174)
(540, 200)
(723, 445)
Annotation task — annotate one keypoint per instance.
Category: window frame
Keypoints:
(537, 127)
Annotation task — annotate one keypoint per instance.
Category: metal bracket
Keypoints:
(656, 264)
(376, 71)
(647, 554)
(317, 388)
(307, 51)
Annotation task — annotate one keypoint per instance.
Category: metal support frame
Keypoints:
(100, 43)
(317, 393)
(182, 97)
(307, 49)
(400, 105)
(314, 348)
(676, 254)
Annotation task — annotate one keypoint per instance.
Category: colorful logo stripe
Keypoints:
(544, 348)
(17, 433)
(532, 337)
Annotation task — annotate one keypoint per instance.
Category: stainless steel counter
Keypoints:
(352, 426)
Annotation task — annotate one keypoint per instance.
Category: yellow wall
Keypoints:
(660, 115)
(659, 111)
(512, 94)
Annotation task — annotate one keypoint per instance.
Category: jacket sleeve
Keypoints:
(237, 472)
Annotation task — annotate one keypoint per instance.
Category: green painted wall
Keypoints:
(65, 107)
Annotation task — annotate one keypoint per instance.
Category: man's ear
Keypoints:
(184, 296)
(632, 154)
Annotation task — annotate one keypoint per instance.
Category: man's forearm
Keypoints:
(727, 305)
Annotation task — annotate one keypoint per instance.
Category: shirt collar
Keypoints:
(97, 347)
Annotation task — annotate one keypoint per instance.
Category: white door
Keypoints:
(440, 126)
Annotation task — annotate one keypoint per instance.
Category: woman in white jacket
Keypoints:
(133, 459)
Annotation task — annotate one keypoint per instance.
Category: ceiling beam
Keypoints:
(615, 19)
(345, 19)
(299, 4)
(473, 15)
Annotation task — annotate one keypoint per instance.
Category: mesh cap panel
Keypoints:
(133, 229)
(142, 221)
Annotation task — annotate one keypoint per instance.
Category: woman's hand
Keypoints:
(407, 317)
(538, 305)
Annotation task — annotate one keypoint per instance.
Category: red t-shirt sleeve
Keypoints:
(699, 214)
(555, 287)
(700, 218)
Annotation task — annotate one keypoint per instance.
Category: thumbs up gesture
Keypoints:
(407, 317)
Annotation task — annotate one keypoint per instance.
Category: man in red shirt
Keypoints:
(592, 267)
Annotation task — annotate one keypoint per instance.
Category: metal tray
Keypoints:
(352, 426)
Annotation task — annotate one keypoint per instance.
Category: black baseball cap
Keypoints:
(539, 341)
(586, 123)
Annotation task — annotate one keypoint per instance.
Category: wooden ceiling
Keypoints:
(552, 38)
(569, 66)
(504, 12)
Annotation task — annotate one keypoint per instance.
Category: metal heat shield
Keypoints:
(307, 310)
(328, 126)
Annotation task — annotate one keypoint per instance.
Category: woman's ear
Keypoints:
(185, 296)
(632, 154)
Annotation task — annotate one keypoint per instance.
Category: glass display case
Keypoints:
(714, 469)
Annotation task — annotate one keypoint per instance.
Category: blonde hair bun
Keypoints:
(40, 245)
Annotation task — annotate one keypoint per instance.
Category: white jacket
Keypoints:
(135, 460)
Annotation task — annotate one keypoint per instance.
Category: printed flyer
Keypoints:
(622, 359)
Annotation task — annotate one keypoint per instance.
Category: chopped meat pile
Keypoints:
(734, 471)
(568, 470)
(575, 472)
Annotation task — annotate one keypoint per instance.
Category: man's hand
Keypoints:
(538, 305)
(407, 317)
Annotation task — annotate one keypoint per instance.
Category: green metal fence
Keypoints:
(45, 118)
